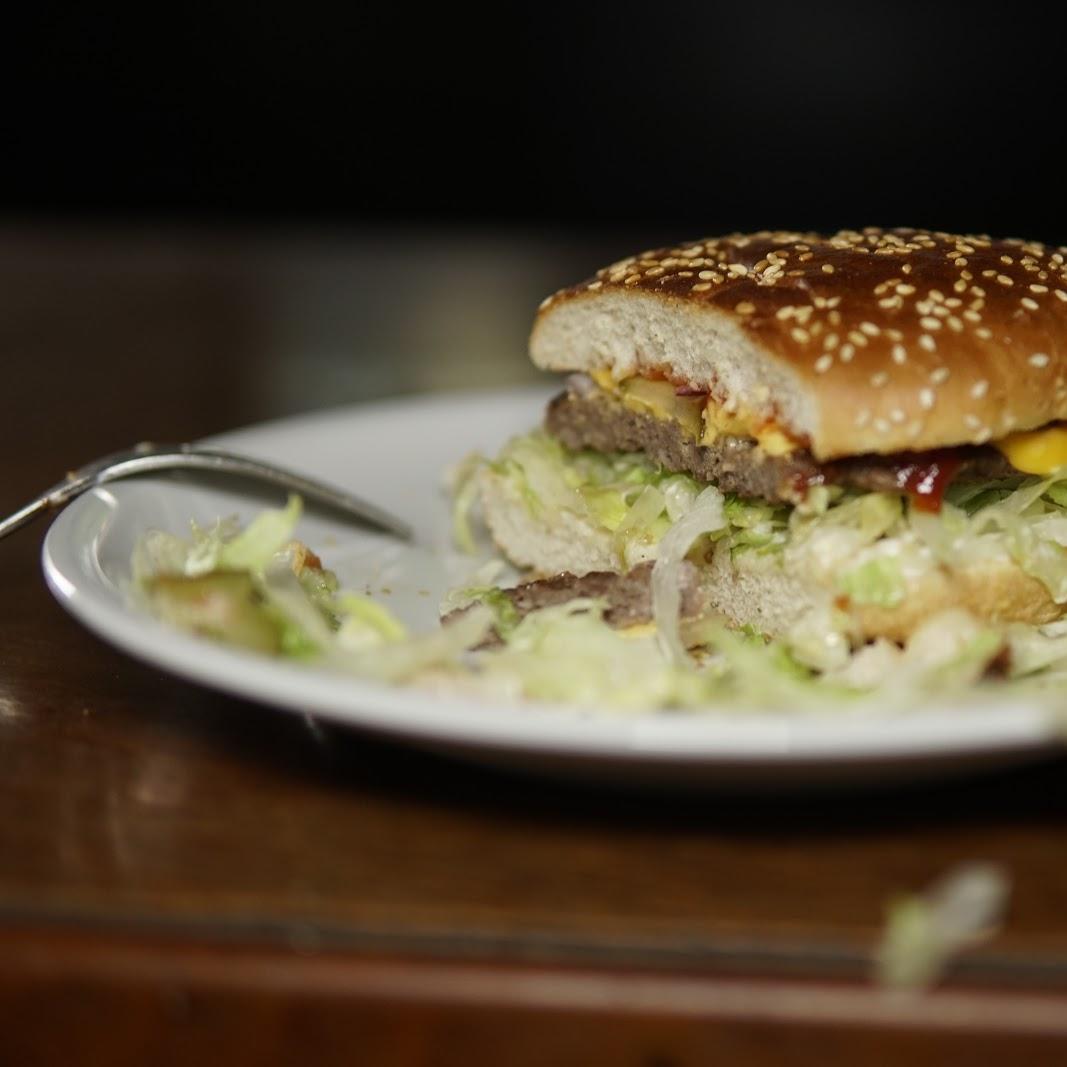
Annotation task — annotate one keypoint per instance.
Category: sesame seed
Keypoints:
(745, 308)
(926, 398)
(984, 333)
(829, 342)
(900, 354)
(1030, 305)
(685, 274)
(800, 336)
(655, 272)
(928, 322)
(927, 342)
(979, 389)
(857, 338)
(823, 364)
(890, 302)
(544, 303)
(827, 268)
(879, 379)
(737, 268)
(785, 312)
(1003, 279)
(633, 279)
(706, 275)
(701, 287)
(1039, 359)
(847, 352)
(939, 375)
(905, 290)
(870, 329)
(593, 285)
(1061, 295)
(1038, 288)
(959, 286)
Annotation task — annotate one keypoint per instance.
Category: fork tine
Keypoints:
(353, 506)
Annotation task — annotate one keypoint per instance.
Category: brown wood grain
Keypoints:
(181, 1003)
(183, 872)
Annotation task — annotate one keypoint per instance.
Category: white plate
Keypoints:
(394, 454)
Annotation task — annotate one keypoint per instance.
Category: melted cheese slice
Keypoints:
(1036, 451)
(700, 415)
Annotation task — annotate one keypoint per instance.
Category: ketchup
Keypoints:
(925, 480)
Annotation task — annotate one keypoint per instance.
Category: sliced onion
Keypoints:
(706, 516)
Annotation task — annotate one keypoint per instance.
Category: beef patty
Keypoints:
(627, 598)
(738, 465)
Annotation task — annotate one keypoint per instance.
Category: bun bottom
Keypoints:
(759, 591)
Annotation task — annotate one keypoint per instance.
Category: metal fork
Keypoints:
(147, 458)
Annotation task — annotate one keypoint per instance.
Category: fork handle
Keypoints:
(147, 458)
(73, 485)
(24, 515)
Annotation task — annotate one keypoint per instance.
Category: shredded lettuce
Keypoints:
(366, 624)
(505, 614)
(464, 488)
(822, 638)
(1020, 520)
(878, 582)
(405, 660)
(568, 653)
(924, 931)
(266, 535)
(625, 494)
(261, 590)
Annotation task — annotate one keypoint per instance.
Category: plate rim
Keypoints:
(732, 739)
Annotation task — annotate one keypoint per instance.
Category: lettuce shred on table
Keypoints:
(260, 589)
(924, 931)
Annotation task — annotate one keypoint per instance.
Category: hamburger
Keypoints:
(832, 439)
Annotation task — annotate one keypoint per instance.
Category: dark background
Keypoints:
(675, 119)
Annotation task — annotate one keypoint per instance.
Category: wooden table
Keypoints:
(189, 878)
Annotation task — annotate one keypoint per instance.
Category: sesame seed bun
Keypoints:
(877, 341)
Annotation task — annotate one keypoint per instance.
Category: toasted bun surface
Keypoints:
(875, 341)
(753, 591)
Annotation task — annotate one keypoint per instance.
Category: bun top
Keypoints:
(866, 341)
